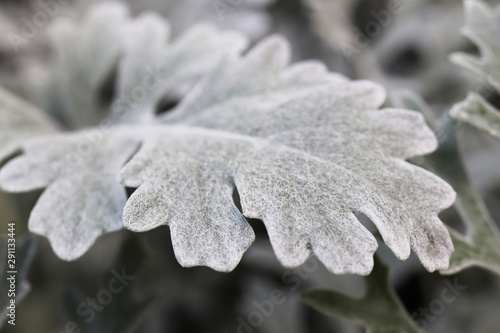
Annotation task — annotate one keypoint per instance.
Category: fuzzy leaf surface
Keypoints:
(132, 59)
(480, 245)
(305, 149)
(83, 198)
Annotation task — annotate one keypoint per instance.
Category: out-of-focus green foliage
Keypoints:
(13, 272)
(379, 310)
(482, 27)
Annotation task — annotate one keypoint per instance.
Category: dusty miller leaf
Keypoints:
(84, 199)
(379, 310)
(147, 67)
(305, 149)
(151, 69)
(85, 55)
(20, 122)
(476, 111)
(480, 246)
(483, 28)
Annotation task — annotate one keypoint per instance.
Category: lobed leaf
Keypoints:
(480, 246)
(109, 43)
(482, 27)
(304, 152)
(83, 198)
(84, 59)
(304, 148)
(476, 111)
(151, 70)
